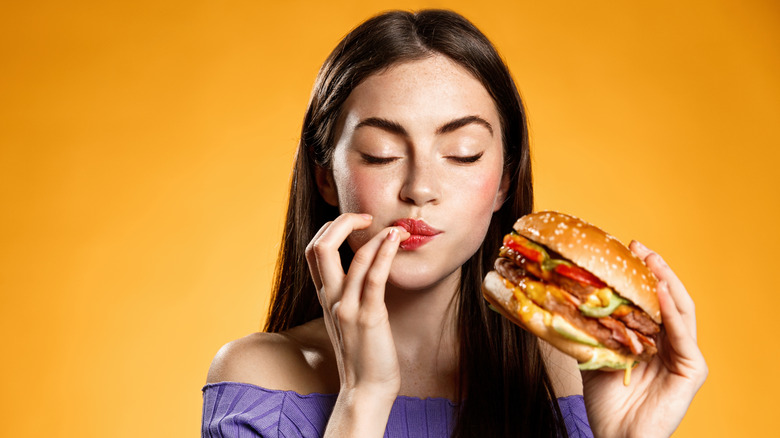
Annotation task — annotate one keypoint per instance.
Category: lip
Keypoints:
(421, 233)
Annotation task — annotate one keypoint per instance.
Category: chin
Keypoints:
(418, 277)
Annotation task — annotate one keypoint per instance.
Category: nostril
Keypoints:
(420, 187)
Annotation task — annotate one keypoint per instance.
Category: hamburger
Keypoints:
(578, 288)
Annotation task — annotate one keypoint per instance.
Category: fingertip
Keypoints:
(397, 233)
(367, 216)
(639, 249)
(393, 234)
(639, 245)
(657, 260)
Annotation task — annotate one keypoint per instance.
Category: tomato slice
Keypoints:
(579, 274)
(530, 254)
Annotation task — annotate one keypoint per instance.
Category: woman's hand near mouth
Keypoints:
(357, 322)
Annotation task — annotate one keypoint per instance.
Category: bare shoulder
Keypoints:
(564, 373)
(299, 360)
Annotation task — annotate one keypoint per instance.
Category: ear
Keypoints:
(503, 190)
(326, 185)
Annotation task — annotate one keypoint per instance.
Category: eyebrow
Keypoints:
(396, 128)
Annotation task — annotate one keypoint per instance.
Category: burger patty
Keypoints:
(608, 331)
(637, 320)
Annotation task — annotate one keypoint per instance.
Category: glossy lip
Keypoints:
(421, 233)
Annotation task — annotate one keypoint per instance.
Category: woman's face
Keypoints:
(419, 146)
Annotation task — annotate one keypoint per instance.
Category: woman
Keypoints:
(416, 125)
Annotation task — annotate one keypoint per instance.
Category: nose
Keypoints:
(421, 184)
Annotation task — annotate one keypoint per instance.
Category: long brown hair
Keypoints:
(504, 387)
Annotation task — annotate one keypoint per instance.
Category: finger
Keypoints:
(376, 278)
(677, 291)
(682, 340)
(639, 249)
(311, 260)
(325, 250)
(363, 261)
(662, 271)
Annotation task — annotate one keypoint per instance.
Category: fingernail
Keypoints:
(393, 235)
(641, 245)
(367, 217)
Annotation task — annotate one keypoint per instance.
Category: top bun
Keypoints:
(600, 253)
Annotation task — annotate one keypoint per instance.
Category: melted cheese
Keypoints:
(528, 309)
(603, 357)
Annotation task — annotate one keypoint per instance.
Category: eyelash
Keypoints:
(468, 160)
(370, 159)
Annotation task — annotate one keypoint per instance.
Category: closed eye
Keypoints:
(370, 159)
(467, 160)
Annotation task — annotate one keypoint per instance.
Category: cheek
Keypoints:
(482, 192)
(363, 192)
(488, 187)
(359, 192)
(479, 205)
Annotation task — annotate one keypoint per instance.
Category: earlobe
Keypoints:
(326, 185)
(503, 190)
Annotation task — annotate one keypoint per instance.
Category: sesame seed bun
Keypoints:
(596, 251)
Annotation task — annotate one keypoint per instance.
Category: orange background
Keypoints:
(146, 149)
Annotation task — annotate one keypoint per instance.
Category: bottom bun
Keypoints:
(499, 292)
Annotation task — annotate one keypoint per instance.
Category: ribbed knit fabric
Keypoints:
(241, 410)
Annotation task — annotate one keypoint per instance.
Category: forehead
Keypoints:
(432, 89)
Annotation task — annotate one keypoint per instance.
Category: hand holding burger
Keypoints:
(603, 304)
(578, 288)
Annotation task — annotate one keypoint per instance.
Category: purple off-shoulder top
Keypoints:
(236, 410)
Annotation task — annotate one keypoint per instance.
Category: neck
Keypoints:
(424, 327)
